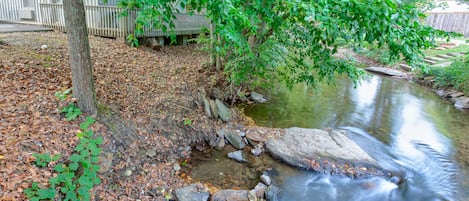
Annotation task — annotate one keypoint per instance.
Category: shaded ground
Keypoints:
(144, 97)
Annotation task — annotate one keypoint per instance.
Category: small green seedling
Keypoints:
(71, 112)
(62, 95)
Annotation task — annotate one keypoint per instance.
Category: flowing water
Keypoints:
(406, 127)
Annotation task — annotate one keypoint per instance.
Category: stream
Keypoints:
(406, 127)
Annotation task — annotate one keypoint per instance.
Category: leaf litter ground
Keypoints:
(144, 97)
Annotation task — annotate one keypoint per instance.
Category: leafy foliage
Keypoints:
(43, 159)
(35, 193)
(62, 95)
(295, 40)
(75, 179)
(71, 112)
(187, 122)
(456, 75)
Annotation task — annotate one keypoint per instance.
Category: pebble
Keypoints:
(176, 167)
(151, 153)
(266, 180)
(256, 151)
(128, 172)
(395, 179)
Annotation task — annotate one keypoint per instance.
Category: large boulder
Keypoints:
(323, 151)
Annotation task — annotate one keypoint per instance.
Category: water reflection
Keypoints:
(400, 114)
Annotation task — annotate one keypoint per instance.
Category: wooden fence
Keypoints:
(450, 21)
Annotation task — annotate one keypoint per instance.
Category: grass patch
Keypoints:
(460, 48)
(454, 76)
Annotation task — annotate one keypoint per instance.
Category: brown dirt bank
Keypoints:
(144, 97)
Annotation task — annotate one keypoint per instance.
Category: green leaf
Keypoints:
(88, 133)
(73, 166)
(56, 157)
(88, 122)
(85, 181)
(54, 181)
(59, 168)
(95, 168)
(96, 181)
(84, 193)
(75, 158)
(79, 147)
(46, 193)
(80, 135)
(95, 151)
(98, 140)
(94, 159)
(29, 193)
(71, 195)
(63, 190)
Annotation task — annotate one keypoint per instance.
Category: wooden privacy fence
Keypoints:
(106, 21)
(450, 21)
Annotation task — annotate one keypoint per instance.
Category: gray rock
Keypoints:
(442, 93)
(206, 106)
(128, 172)
(221, 133)
(230, 195)
(257, 97)
(234, 139)
(176, 167)
(221, 143)
(260, 190)
(151, 153)
(302, 147)
(443, 64)
(456, 94)
(256, 151)
(238, 156)
(194, 192)
(213, 108)
(252, 195)
(462, 103)
(386, 71)
(223, 111)
(266, 180)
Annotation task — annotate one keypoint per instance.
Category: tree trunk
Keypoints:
(80, 59)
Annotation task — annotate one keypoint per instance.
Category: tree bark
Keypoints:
(80, 59)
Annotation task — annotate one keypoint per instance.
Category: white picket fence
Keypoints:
(14, 10)
(107, 21)
(102, 20)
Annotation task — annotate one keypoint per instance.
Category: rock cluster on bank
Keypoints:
(215, 108)
(325, 151)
